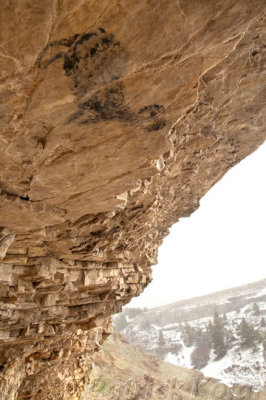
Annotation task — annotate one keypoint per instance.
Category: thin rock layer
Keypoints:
(117, 117)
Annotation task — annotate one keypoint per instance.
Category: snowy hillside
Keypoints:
(223, 335)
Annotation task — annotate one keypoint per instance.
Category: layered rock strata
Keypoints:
(116, 118)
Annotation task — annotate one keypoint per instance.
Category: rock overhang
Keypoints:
(117, 119)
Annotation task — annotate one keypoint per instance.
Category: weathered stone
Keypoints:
(5, 272)
(37, 252)
(5, 242)
(117, 117)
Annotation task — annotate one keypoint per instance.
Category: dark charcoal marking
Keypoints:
(54, 58)
(110, 105)
(83, 59)
(83, 38)
(108, 40)
(93, 51)
(157, 125)
(151, 111)
(70, 63)
(66, 42)
(86, 60)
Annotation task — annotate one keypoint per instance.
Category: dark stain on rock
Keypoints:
(107, 105)
(151, 110)
(151, 114)
(54, 58)
(160, 124)
(94, 61)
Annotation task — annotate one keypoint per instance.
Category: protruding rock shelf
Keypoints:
(117, 116)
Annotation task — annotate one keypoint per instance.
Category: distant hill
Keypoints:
(123, 371)
(222, 334)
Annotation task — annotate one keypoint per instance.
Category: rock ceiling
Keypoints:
(117, 116)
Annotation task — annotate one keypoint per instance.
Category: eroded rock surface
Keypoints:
(116, 117)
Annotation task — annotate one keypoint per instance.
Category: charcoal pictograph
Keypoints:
(94, 64)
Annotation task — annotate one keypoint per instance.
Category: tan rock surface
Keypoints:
(116, 117)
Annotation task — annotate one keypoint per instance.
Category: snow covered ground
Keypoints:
(245, 365)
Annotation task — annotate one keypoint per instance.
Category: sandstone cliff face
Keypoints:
(116, 117)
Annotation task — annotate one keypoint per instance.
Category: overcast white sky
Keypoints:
(222, 245)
